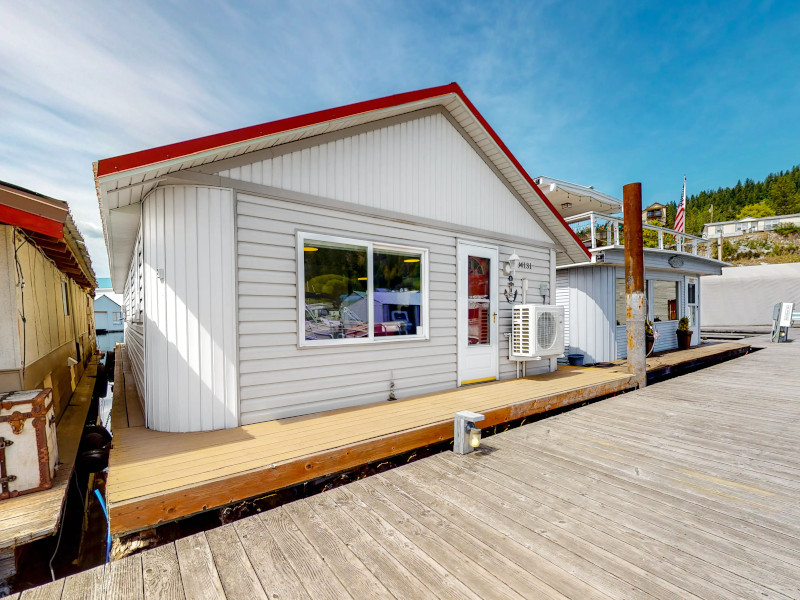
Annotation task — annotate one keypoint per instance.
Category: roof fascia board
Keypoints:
(30, 221)
(522, 172)
(49, 208)
(257, 189)
(145, 160)
(491, 164)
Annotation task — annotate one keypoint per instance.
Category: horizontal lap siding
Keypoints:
(536, 274)
(134, 344)
(277, 379)
(134, 326)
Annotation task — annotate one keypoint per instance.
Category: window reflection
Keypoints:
(398, 292)
(335, 277)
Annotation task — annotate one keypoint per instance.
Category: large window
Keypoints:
(665, 300)
(354, 291)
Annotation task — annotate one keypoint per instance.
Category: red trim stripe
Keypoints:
(143, 158)
(31, 222)
(135, 160)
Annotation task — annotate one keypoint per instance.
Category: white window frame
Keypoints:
(370, 247)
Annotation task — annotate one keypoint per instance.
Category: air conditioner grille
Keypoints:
(546, 331)
(537, 331)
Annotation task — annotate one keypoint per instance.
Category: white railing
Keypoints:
(599, 231)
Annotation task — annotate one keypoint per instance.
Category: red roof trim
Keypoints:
(516, 163)
(31, 222)
(143, 158)
(127, 162)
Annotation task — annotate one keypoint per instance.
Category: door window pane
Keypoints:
(665, 300)
(398, 292)
(478, 322)
(479, 292)
(335, 290)
(478, 277)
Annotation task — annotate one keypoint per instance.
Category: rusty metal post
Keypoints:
(635, 300)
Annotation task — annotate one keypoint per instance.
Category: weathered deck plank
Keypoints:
(161, 574)
(198, 571)
(237, 575)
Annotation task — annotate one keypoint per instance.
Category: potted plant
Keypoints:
(649, 337)
(684, 334)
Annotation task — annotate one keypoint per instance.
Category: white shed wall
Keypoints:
(421, 167)
(190, 311)
(591, 313)
(278, 379)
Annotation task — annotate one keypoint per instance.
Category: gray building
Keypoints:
(326, 260)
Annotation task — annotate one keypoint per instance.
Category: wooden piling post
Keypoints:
(635, 300)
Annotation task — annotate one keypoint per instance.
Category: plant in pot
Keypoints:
(649, 337)
(684, 334)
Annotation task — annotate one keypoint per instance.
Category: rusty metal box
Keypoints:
(28, 447)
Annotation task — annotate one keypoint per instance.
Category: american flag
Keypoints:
(680, 217)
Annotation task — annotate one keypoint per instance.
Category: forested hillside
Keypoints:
(778, 194)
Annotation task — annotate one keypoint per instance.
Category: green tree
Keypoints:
(783, 195)
(757, 210)
(672, 212)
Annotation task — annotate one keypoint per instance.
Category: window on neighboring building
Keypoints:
(117, 316)
(353, 290)
(665, 300)
(65, 297)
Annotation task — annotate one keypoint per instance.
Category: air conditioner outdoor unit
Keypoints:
(537, 331)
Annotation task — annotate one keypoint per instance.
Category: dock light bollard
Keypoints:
(466, 437)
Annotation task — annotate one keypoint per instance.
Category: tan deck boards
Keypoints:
(157, 476)
(32, 516)
(686, 489)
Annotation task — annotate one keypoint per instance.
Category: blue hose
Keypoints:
(108, 523)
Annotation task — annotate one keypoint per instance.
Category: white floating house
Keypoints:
(325, 260)
(593, 292)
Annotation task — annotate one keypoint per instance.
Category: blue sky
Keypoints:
(597, 93)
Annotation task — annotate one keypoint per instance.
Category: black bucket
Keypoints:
(576, 360)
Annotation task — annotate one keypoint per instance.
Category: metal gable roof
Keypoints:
(124, 180)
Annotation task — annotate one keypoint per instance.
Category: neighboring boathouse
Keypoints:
(593, 292)
(328, 260)
(46, 290)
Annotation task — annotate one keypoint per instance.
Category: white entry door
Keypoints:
(478, 353)
(693, 307)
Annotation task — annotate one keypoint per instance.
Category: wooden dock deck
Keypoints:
(160, 477)
(685, 489)
(30, 517)
(157, 477)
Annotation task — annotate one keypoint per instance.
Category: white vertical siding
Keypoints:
(422, 167)
(277, 379)
(190, 316)
(592, 313)
(562, 299)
